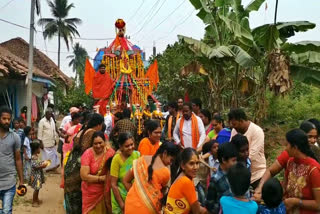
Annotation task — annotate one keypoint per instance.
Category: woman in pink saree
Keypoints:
(95, 185)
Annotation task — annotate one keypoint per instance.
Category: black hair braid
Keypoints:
(150, 169)
(307, 151)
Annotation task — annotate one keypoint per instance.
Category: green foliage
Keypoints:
(75, 97)
(60, 25)
(78, 60)
(300, 104)
(172, 85)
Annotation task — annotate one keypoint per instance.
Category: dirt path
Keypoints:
(51, 194)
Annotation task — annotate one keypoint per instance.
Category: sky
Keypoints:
(148, 22)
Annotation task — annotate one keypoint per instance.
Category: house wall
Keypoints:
(17, 91)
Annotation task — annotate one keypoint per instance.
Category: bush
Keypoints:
(300, 104)
(75, 97)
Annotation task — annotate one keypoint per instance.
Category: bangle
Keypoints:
(98, 179)
(300, 203)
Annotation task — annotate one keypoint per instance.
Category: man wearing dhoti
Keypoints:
(47, 135)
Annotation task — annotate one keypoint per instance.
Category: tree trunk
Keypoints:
(235, 94)
(59, 49)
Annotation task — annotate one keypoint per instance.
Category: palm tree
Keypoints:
(78, 59)
(60, 25)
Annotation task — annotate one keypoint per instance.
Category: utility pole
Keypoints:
(30, 64)
(276, 12)
(154, 49)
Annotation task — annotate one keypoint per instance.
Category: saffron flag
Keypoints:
(102, 85)
(152, 74)
(88, 76)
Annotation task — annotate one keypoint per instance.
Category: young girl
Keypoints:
(37, 176)
(182, 196)
(27, 154)
(213, 158)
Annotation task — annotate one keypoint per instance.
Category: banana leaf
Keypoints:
(305, 74)
(306, 58)
(254, 5)
(301, 47)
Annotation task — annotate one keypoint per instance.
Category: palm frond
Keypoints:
(73, 21)
(45, 21)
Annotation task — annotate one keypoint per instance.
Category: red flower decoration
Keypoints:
(120, 23)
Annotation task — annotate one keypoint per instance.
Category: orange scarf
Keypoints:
(194, 132)
(169, 127)
(178, 116)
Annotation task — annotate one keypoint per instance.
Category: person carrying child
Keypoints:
(239, 180)
(37, 176)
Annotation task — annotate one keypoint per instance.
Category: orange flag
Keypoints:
(152, 74)
(88, 76)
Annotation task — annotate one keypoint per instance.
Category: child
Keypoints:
(272, 193)
(27, 154)
(219, 186)
(200, 181)
(37, 176)
(213, 158)
(239, 179)
(242, 144)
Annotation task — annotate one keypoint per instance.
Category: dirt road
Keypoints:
(51, 194)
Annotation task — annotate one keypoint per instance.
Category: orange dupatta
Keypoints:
(194, 132)
(145, 189)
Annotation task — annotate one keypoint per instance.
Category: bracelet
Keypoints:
(98, 179)
(300, 203)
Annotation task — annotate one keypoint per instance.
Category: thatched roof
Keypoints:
(13, 66)
(20, 48)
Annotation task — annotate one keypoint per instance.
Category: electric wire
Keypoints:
(7, 4)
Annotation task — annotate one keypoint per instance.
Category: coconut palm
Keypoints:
(60, 25)
(77, 62)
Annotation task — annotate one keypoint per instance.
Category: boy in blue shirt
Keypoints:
(239, 180)
(219, 185)
(272, 194)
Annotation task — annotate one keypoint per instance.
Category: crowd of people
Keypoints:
(185, 160)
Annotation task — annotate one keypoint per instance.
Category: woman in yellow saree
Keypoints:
(151, 176)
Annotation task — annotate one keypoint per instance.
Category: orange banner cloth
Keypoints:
(102, 85)
(153, 75)
(88, 76)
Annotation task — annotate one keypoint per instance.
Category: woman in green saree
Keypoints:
(121, 164)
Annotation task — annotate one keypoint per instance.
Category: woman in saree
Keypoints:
(72, 180)
(93, 173)
(121, 164)
(150, 144)
(205, 116)
(282, 160)
(182, 196)
(151, 176)
(71, 131)
(301, 181)
(219, 133)
(312, 133)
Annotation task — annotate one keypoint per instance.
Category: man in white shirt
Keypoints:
(191, 133)
(47, 135)
(109, 121)
(240, 124)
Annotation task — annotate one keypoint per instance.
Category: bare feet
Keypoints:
(35, 204)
